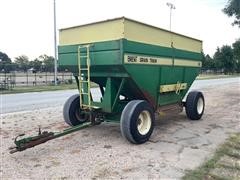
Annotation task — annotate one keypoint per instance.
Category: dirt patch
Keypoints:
(100, 152)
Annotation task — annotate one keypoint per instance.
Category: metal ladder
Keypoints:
(84, 79)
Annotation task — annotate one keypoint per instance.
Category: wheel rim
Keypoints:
(200, 105)
(144, 122)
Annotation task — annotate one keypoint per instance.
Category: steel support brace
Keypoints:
(118, 93)
(112, 93)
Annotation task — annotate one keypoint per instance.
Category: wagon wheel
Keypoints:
(137, 121)
(72, 112)
(195, 105)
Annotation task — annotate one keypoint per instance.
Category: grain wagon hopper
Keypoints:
(139, 71)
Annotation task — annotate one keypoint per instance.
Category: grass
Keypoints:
(203, 172)
(25, 89)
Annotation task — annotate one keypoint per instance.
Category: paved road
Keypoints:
(37, 100)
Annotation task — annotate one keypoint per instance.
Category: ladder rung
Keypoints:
(83, 93)
(83, 56)
(85, 69)
(95, 107)
(86, 105)
(83, 81)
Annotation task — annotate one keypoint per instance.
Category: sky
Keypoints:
(27, 25)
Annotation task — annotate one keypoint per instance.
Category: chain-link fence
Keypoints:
(212, 71)
(13, 79)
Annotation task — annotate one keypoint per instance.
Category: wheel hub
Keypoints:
(144, 122)
(200, 106)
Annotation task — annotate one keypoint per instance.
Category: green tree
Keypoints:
(48, 62)
(236, 54)
(208, 62)
(36, 64)
(22, 63)
(224, 59)
(217, 59)
(233, 9)
(203, 60)
(5, 62)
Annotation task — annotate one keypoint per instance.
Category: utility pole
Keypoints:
(171, 6)
(55, 42)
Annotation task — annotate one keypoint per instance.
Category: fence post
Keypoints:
(46, 77)
(5, 81)
(27, 77)
(35, 78)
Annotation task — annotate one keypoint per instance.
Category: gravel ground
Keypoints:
(100, 152)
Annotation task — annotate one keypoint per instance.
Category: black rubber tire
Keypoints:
(129, 120)
(191, 105)
(71, 111)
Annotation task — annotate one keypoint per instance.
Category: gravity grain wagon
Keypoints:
(138, 71)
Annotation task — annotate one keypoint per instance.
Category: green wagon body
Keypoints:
(139, 69)
(161, 75)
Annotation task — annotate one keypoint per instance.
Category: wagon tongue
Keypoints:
(42, 137)
(30, 142)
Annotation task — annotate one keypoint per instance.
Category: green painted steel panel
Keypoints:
(142, 81)
(107, 53)
(148, 49)
(104, 58)
(149, 77)
(98, 46)
(146, 79)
